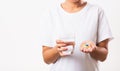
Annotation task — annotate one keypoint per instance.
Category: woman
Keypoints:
(92, 34)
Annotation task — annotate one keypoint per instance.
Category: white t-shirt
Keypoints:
(88, 24)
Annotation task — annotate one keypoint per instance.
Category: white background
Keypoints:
(20, 38)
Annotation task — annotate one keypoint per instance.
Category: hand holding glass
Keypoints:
(70, 41)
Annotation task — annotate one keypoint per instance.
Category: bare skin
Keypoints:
(97, 51)
(51, 54)
(72, 6)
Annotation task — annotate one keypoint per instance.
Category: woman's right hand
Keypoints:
(61, 46)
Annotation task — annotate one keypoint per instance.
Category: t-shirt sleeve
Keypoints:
(46, 33)
(104, 31)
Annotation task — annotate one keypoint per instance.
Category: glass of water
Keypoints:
(68, 38)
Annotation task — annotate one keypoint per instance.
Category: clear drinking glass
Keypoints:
(69, 38)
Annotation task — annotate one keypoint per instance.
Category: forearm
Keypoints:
(99, 54)
(50, 55)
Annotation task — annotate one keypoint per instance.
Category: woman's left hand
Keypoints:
(88, 46)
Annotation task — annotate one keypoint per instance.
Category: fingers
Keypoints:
(61, 45)
(86, 50)
(70, 43)
(63, 42)
(62, 49)
(59, 42)
(61, 54)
